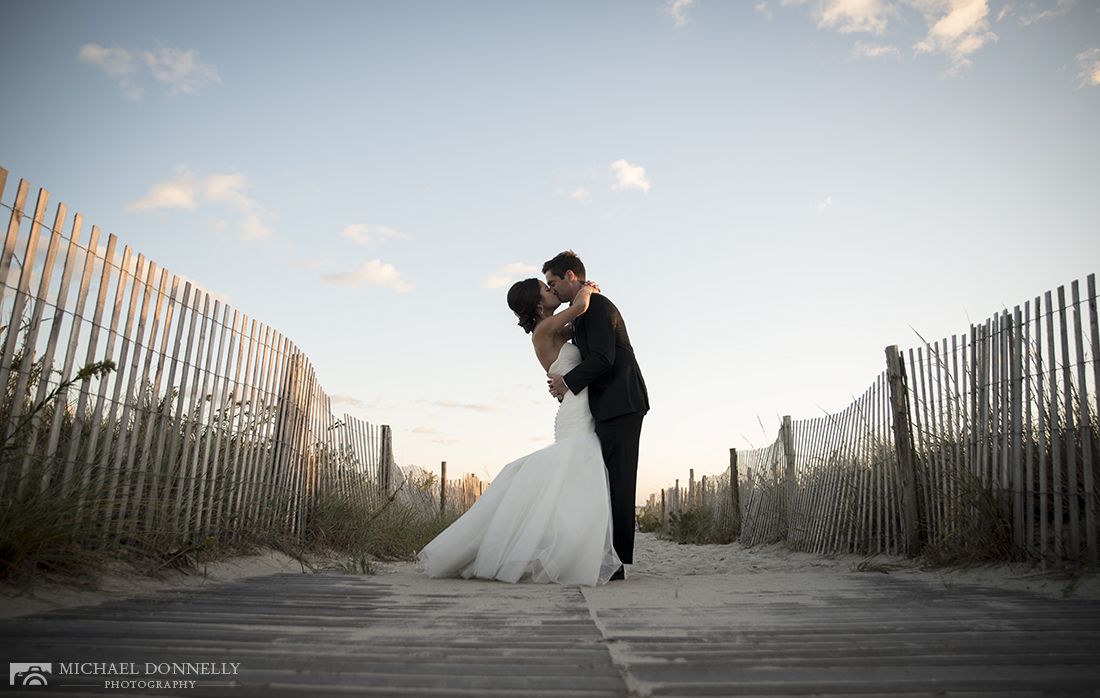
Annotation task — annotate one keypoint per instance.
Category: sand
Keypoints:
(123, 581)
(660, 566)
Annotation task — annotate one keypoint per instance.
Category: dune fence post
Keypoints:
(735, 492)
(443, 486)
(788, 493)
(903, 443)
(387, 460)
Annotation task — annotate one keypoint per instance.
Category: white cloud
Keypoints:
(373, 272)
(185, 191)
(509, 273)
(861, 50)
(825, 204)
(176, 193)
(762, 8)
(116, 62)
(345, 400)
(1035, 15)
(629, 176)
(677, 9)
(850, 15)
(216, 227)
(1090, 67)
(465, 406)
(364, 234)
(180, 70)
(253, 228)
(956, 28)
(582, 195)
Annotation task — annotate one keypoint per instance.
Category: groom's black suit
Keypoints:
(618, 399)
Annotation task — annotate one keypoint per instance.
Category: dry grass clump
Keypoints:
(69, 526)
(698, 525)
(978, 528)
(394, 530)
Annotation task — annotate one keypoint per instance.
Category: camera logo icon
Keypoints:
(37, 674)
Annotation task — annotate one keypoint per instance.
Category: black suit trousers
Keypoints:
(619, 439)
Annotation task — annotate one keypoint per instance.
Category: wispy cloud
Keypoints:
(445, 442)
(187, 191)
(629, 176)
(1033, 14)
(345, 400)
(850, 15)
(577, 183)
(1090, 67)
(365, 234)
(824, 204)
(509, 273)
(862, 50)
(374, 273)
(180, 70)
(956, 28)
(762, 8)
(466, 406)
(677, 9)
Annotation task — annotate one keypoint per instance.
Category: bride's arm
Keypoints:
(557, 323)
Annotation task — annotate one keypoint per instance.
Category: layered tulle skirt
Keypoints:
(545, 518)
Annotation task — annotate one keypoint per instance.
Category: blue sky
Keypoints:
(771, 192)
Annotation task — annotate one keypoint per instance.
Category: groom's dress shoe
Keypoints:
(619, 574)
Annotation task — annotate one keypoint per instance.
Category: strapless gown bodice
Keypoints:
(546, 517)
(574, 418)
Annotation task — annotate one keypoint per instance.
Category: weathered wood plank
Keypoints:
(406, 635)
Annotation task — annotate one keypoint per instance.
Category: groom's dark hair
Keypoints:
(566, 261)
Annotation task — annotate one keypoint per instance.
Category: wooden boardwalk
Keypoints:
(403, 635)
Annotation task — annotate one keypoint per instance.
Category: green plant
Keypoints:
(43, 518)
(698, 526)
(80, 487)
(648, 521)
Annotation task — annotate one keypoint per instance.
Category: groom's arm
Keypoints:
(599, 328)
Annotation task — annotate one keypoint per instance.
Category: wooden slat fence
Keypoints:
(985, 435)
(431, 491)
(212, 422)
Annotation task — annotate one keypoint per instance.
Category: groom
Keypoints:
(616, 392)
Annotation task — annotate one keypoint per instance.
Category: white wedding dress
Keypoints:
(546, 517)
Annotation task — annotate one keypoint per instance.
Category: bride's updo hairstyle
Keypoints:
(524, 298)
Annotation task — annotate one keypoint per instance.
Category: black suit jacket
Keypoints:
(608, 367)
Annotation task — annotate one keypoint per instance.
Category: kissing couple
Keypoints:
(563, 514)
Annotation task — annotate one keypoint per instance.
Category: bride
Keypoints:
(547, 516)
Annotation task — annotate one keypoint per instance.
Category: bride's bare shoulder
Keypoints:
(547, 349)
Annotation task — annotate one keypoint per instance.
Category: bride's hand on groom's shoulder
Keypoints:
(587, 289)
